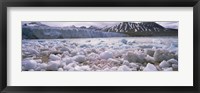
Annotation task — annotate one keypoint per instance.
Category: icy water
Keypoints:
(101, 54)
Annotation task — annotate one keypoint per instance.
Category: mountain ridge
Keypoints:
(35, 30)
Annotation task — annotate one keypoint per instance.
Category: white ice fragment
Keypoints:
(114, 61)
(113, 68)
(79, 58)
(93, 56)
(149, 52)
(149, 59)
(125, 62)
(67, 60)
(29, 64)
(31, 70)
(106, 55)
(168, 69)
(133, 65)
(172, 61)
(77, 68)
(134, 57)
(106, 69)
(117, 53)
(67, 67)
(174, 66)
(41, 66)
(73, 53)
(124, 41)
(164, 64)
(150, 67)
(64, 49)
(88, 41)
(60, 69)
(85, 68)
(161, 55)
(130, 56)
(124, 68)
(33, 51)
(53, 65)
(44, 53)
(54, 57)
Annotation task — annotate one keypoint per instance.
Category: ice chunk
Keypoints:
(134, 56)
(93, 56)
(88, 41)
(67, 60)
(149, 52)
(133, 65)
(79, 58)
(60, 69)
(106, 55)
(29, 64)
(150, 67)
(125, 62)
(68, 67)
(161, 55)
(172, 61)
(114, 61)
(84, 46)
(164, 64)
(54, 57)
(64, 49)
(53, 65)
(33, 51)
(117, 53)
(85, 68)
(77, 68)
(124, 41)
(168, 69)
(41, 66)
(31, 70)
(130, 56)
(150, 59)
(113, 68)
(124, 68)
(174, 66)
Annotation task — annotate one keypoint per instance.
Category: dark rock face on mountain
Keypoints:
(37, 30)
(142, 29)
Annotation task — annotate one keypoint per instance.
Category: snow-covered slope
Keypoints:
(143, 28)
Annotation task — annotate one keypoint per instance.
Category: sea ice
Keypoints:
(124, 41)
(164, 64)
(79, 58)
(106, 55)
(172, 61)
(53, 65)
(124, 68)
(150, 67)
(131, 56)
(64, 49)
(168, 69)
(29, 64)
(54, 57)
(174, 66)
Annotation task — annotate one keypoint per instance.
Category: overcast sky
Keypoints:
(102, 24)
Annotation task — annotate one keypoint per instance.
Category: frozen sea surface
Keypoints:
(101, 54)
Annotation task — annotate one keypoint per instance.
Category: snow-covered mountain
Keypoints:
(140, 29)
(37, 30)
(135, 27)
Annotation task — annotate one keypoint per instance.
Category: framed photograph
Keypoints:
(101, 46)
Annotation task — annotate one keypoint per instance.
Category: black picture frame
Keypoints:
(100, 3)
